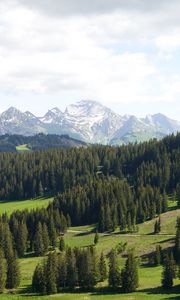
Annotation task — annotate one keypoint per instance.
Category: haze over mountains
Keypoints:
(89, 121)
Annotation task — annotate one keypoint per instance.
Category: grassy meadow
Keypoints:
(10, 206)
(144, 242)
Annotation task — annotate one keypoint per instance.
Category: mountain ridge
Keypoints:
(89, 121)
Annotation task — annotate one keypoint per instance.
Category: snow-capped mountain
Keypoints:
(89, 121)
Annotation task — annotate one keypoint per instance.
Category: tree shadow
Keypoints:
(160, 290)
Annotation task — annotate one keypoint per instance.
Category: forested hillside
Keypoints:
(115, 188)
(15, 143)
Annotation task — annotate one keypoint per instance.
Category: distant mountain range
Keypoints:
(88, 121)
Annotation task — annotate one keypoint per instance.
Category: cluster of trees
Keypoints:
(171, 264)
(9, 267)
(153, 163)
(35, 230)
(82, 268)
(110, 203)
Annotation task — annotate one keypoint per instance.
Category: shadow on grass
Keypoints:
(161, 291)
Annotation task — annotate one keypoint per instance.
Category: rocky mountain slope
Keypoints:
(89, 121)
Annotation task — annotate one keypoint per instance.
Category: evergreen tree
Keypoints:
(157, 255)
(45, 238)
(39, 248)
(13, 273)
(61, 244)
(62, 272)
(3, 271)
(168, 273)
(96, 238)
(72, 274)
(177, 243)
(157, 226)
(50, 274)
(102, 268)
(52, 232)
(21, 240)
(130, 279)
(114, 273)
(38, 281)
(178, 195)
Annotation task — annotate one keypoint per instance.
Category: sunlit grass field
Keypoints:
(143, 241)
(10, 206)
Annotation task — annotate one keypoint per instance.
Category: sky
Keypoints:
(122, 53)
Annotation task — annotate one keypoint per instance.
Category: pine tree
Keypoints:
(114, 273)
(52, 232)
(96, 238)
(91, 276)
(3, 271)
(177, 243)
(168, 273)
(21, 241)
(38, 281)
(61, 244)
(102, 268)
(50, 275)
(130, 279)
(45, 238)
(178, 195)
(13, 273)
(39, 248)
(157, 256)
(72, 274)
(157, 226)
(62, 272)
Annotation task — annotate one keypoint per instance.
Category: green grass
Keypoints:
(144, 242)
(10, 206)
(23, 148)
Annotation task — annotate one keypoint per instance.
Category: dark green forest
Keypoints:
(108, 186)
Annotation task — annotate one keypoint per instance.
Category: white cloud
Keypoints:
(110, 53)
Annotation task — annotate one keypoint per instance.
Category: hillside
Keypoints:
(20, 143)
(110, 205)
(144, 242)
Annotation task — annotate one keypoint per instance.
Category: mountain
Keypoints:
(88, 121)
(20, 143)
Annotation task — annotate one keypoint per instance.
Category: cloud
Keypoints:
(111, 51)
(78, 7)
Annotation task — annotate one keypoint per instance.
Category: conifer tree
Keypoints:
(157, 255)
(45, 237)
(72, 274)
(21, 240)
(52, 232)
(38, 281)
(102, 268)
(13, 272)
(61, 244)
(62, 272)
(50, 274)
(178, 195)
(130, 280)
(168, 273)
(3, 271)
(96, 238)
(114, 273)
(157, 226)
(38, 241)
(177, 242)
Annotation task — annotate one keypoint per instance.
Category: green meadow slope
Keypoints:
(144, 242)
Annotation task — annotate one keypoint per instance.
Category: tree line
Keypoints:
(83, 269)
(28, 175)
